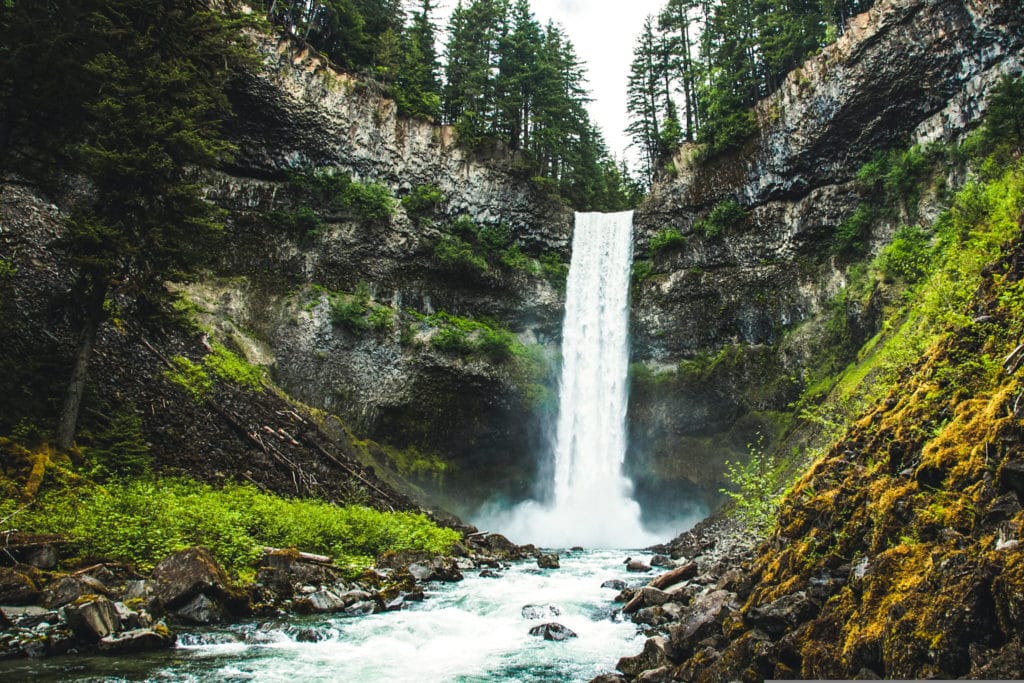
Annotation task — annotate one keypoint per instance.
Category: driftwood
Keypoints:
(1014, 360)
(308, 557)
(687, 571)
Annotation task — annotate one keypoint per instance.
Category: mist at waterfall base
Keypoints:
(588, 500)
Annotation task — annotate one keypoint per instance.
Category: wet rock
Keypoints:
(608, 678)
(354, 596)
(464, 564)
(540, 611)
(614, 584)
(361, 608)
(420, 572)
(139, 589)
(490, 574)
(651, 616)
(131, 619)
(547, 561)
(626, 594)
(92, 618)
(654, 596)
(70, 588)
(321, 601)
(782, 614)
(395, 605)
(662, 561)
(137, 640)
(17, 587)
(637, 566)
(552, 631)
(662, 674)
(654, 655)
(185, 574)
(202, 610)
(309, 635)
(700, 620)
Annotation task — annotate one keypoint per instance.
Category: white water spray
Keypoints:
(591, 503)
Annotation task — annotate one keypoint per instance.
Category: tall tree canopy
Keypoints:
(715, 59)
(145, 99)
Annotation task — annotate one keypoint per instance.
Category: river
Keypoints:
(472, 631)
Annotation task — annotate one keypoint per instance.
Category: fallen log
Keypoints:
(308, 557)
(687, 571)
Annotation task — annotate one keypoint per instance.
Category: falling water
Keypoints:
(591, 503)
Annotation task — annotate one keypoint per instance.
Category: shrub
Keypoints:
(498, 345)
(369, 201)
(423, 200)
(666, 239)
(754, 482)
(143, 521)
(302, 221)
(906, 257)
(119, 448)
(642, 270)
(381, 318)
(350, 312)
(851, 235)
(451, 340)
(458, 256)
(724, 215)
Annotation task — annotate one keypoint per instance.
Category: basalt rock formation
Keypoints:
(727, 321)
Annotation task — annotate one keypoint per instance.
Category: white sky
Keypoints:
(603, 33)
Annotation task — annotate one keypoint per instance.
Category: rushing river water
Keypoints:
(469, 632)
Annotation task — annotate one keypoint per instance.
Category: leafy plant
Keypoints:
(667, 239)
(724, 215)
(754, 486)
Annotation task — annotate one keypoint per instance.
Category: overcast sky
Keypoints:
(603, 32)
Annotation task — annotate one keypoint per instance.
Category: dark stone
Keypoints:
(662, 561)
(651, 616)
(92, 618)
(540, 611)
(637, 566)
(321, 602)
(701, 619)
(1011, 477)
(202, 610)
(309, 635)
(652, 596)
(395, 605)
(654, 655)
(547, 561)
(608, 678)
(17, 587)
(137, 640)
(70, 588)
(185, 574)
(361, 608)
(1001, 509)
(782, 614)
(552, 631)
(614, 584)
(490, 574)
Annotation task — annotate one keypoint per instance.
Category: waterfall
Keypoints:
(591, 503)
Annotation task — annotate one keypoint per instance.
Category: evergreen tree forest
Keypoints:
(501, 77)
(699, 66)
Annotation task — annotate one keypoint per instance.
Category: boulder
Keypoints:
(654, 655)
(637, 566)
(321, 601)
(490, 574)
(70, 588)
(361, 608)
(700, 620)
(651, 616)
(17, 587)
(614, 584)
(420, 572)
(608, 678)
(663, 674)
(552, 631)
(547, 561)
(137, 640)
(92, 617)
(654, 596)
(139, 589)
(662, 561)
(778, 616)
(540, 611)
(185, 574)
(202, 610)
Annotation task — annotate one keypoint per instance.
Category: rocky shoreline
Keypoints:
(110, 608)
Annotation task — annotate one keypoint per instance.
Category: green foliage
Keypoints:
(302, 221)
(381, 319)
(231, 367)
(7, 268)
(642, 270)
(723, 216)
(143, 521)
(850, 237)
(907, 256)
(554, 268)
(1002, 134)
(191, 377)
(370, 201)
(460, 258)
(666, 240)
(118, 448)
(423, 199)
(452, 340)
(357, 313)
(754, 487)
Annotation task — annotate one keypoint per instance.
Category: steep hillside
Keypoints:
(747, 262)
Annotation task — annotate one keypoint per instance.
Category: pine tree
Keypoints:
(644, 92)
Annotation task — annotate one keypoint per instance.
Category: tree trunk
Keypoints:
(95, 296)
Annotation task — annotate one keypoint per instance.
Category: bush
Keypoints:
(422, 200)
(851, 235)
(350, 312)
(451, 340)
(143, 521)
(724, 215)
(302, 221)
(459, 257)
(119, 448)
(754, 482)
(906, 257)
(497, 345)
(666, 239)
(370, 201)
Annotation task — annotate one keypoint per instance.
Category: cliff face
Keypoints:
(465, 415)
(728, 321)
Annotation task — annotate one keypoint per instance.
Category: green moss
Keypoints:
(191, 377)
(723, 216)
(231, 367)
(666, 240)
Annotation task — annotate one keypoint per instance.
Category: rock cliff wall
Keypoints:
(465, 414)
(729, 319)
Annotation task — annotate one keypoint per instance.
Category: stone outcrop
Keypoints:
(728, 323)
